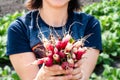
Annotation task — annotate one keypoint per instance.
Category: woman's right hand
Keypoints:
(49, 73)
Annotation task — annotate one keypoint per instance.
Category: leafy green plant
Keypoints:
(109, 73)
(4, 23)
(7, 74)
(108, 13)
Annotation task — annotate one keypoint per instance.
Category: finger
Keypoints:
(41, 69)
(69, 71)
(77, 64)
(77, 76)
(54, 68)
(64, 77)
(76, 71)
(50, 70)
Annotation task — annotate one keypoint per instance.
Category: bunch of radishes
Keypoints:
(64, 52)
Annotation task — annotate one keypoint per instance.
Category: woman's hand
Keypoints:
(51, 73)
(77, 73)
(85, 66)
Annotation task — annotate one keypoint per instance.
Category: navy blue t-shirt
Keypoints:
(23, 32)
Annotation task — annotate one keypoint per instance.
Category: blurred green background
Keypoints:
(108, 65)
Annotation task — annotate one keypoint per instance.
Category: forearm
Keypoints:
(89, 62)
(22, 65)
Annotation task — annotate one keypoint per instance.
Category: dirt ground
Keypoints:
(10, 6)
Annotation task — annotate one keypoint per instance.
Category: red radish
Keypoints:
(39, 61)
(82, 49)
(65, 65)
(65, 52)
(49, 46)
(56, 57)
(58, 44)
(49, 53)
(80, 52)
(65, 40)
(63, 44)
(79, 55)
(49, 62)
(62, 54)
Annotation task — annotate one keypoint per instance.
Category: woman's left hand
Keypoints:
(85, 66)
(77, 73)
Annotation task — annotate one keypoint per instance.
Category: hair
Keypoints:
(74, 5)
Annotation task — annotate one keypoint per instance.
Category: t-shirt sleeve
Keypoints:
(93, 28)
(17, 40)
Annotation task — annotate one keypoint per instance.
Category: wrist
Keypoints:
(85, 75)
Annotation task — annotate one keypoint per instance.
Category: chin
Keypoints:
(59, 6)
(58, 3)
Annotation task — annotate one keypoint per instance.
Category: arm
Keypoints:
(21, 56)
(26, 71)
(89, 62)
(20, 52)
(86, 65)
(21, 63)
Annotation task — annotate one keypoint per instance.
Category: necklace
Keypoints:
(64, 30)
(51, 29)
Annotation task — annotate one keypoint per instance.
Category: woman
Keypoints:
(23, 45)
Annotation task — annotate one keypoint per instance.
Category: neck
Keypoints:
(54, 16)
